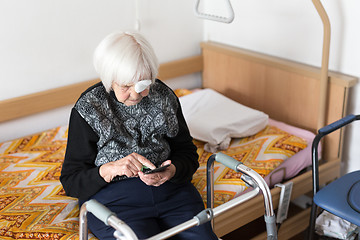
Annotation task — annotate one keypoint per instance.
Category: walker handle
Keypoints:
(99, 210)
(227, 161)
(336, 125)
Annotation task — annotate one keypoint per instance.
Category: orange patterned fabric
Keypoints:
(182, 92)
(262, 152)
(33, 204)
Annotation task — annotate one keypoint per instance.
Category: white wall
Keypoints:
(293, 30)
(45, 44)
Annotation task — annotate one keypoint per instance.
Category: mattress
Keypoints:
(33, 204)
(277, 153)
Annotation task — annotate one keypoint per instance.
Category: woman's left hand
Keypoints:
(158, 178)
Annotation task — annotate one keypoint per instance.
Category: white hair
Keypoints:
(125, 58)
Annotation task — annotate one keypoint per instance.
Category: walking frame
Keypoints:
(249, 176)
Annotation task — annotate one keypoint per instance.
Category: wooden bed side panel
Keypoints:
(337, 105)
(42, 101)
(62, 96)
(286, 94)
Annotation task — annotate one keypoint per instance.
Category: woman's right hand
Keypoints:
(128, 166)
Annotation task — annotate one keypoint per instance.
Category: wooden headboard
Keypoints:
(286, 90)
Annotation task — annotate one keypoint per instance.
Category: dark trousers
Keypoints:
(150, 210)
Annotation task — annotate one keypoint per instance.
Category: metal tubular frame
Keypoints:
(123, 231)
(252, 178)
(324, 80)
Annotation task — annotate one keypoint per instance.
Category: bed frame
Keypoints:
(288, 92)
(285, 90)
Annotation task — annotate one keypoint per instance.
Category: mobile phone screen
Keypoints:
(159, 169)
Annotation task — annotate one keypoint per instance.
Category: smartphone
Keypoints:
(159, 169)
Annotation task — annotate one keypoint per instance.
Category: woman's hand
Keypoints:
(130, 166)
(158, 178)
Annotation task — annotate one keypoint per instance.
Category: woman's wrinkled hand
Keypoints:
(129, 166)
(158, 178)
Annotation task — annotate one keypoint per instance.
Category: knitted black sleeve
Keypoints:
(79, 175)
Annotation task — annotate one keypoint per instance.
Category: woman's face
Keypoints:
(127, 94)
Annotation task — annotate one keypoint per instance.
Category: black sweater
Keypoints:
(80, 175)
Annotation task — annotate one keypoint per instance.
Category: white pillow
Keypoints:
(215, 119)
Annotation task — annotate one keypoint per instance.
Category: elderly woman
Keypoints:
(127, 122)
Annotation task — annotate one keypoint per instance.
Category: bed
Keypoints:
(287, 91)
